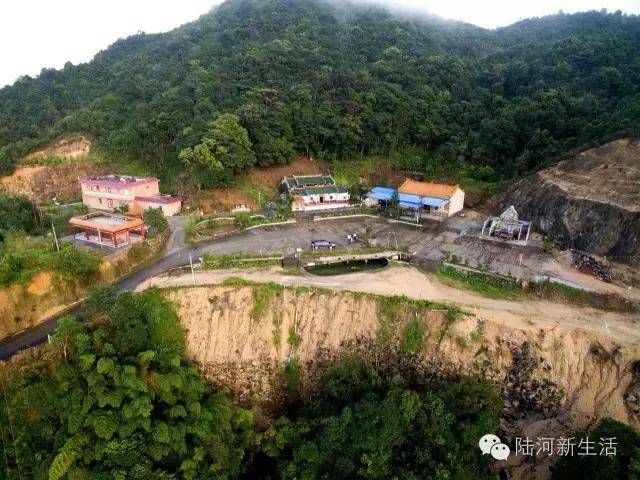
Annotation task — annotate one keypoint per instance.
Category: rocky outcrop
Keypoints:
(590, 202)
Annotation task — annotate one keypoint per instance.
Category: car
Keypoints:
(322, 245)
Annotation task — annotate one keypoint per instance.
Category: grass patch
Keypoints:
(564, 293)
(461, 341)
(372, 169)
(344, 251)
(483, 188)
(292, 338)
(277, 331)
(485, 285)
(412, 336)
(261, 297)
(394, 308)
(237, 282)
(241, 260)
(492, 287)
(23, 257)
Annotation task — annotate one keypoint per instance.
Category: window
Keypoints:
(109, 203)
(100, 201)
(109, 189)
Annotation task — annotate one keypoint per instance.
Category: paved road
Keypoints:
(262, 240)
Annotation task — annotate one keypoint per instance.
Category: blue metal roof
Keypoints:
(417, 201)
(408, 198)
(415, 206)
(405, 200)
(381, 193)
(434, 202)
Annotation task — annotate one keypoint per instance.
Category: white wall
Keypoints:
(456, 204)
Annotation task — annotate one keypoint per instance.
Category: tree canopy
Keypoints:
(624, 463)
(365, 427)
(225, 150)
(309, 77)
(121, 404)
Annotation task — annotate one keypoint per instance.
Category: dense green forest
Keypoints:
(340, 81)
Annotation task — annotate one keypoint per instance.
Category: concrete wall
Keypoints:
(456, 204)
(169, 209)
(146, 190)
(106, 202)
(330, 200)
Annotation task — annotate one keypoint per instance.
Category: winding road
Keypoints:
(262, 240)
(427, 245)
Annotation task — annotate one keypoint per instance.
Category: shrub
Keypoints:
(7, 162)
(18, 214)
(190, 228)
(243, 219)
(155, 220)
(412, 338)
(139, 252)
(624, 464)
(71, 261)
(10, 268)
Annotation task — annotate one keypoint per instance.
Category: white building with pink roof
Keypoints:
(137, 193)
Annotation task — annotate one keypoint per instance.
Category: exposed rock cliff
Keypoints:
(590, 202)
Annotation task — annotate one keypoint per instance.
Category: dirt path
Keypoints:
(409, 281)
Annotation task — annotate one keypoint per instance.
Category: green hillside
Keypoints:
(339, 82)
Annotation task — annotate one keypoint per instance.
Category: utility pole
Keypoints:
(193, 275)
(55, 237)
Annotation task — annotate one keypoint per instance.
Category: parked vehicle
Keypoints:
(322, 245)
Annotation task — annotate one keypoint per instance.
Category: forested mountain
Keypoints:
(340, 81)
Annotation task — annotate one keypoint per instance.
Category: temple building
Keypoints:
(314, 192)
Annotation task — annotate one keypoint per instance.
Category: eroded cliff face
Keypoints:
(241, 337)
(42, 183)
(551, 381)
(590, 202)
(23, 306)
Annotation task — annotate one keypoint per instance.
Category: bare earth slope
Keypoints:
(47, 179)
(43, 183)
(552, 379)
(557, 367)
(72, 145)
(590, 202)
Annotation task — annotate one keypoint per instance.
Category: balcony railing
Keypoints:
(115, 196)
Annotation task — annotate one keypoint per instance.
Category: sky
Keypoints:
(36, 34)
